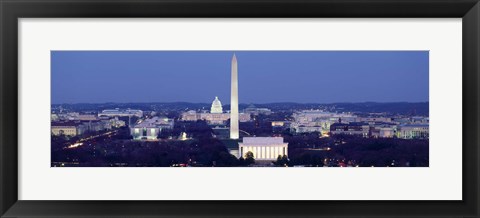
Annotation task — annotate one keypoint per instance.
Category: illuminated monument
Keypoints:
(234, 101)
(216, 106)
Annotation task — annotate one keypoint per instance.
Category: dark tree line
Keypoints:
(311, 150)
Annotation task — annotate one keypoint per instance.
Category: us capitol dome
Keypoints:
(216, 106)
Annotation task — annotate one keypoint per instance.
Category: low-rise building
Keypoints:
(279, 126)
(383, 132)
(352, 128)
(121, 113)
(251, 109)
(213, 118)
(67, 128)
(373, 119)
(413, 131)
(86, 117)
(318, 121)
(115, 122)
(380, 129)
(150, 128)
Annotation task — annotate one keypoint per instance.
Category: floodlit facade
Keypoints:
(74, 128)
(213, 119)
(66, 128)
(115, 122)
(216, 106)
(383, 129)
(216, 115)
(263, 148)
(413, 131)
(150, 128)
(234, 125)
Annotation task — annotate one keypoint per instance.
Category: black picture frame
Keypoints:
(12, 10)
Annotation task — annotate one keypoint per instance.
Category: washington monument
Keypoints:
(234, 100)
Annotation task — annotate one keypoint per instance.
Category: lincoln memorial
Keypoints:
(263, 148)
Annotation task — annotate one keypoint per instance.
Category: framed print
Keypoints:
(226, 108)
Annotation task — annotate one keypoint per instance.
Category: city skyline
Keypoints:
(163, 76)
(281, 135)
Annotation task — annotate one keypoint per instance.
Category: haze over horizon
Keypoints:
(228, 103)
(306, 77)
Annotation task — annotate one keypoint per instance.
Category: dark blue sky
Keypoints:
(264, 76)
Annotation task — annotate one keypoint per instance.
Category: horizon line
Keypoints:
(280, 102)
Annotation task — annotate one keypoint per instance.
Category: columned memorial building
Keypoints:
(263, 148)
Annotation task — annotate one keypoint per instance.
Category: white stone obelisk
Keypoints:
(234, 134)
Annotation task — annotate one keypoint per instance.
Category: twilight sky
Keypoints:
(264, 76)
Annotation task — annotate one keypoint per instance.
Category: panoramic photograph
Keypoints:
(239, 108)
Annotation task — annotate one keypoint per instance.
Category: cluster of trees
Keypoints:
(249, 159)
(357, 151)
(201, 152)
(262, 124)
(198, 129)
(282, 161)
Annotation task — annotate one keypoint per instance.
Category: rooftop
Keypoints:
(262, 140)
(65, 123)
(415, 125)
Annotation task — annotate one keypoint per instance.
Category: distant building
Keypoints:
(121, 113)
(383, 130)
(318, 121)
(279, 126)
(420, 120)
(68, 128)
(263, 148)
(150, 128)
(97, 125)
(86, 117)
(411, 120)
(74, 116)
(215, 119)
(413, 131)
(373, 119)
(251, 109)
(352, 128)
(115, 122)
(216, 115)
(280, 123)
(77, 127)
(190, 115)
(304, 129)
(54, 117)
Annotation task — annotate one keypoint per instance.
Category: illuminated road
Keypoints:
(81, 141)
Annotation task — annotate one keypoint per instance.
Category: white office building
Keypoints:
(413, 131)
(150, 128)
